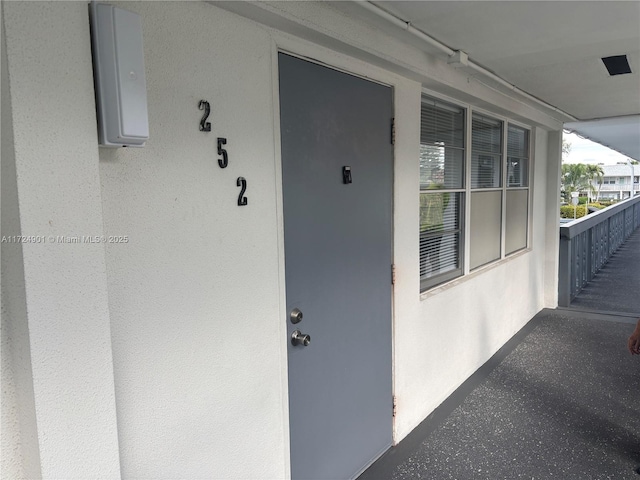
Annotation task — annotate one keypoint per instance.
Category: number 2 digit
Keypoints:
(241, 182)
(204, 125)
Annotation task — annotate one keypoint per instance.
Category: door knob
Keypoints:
(295, 316)
(299, 338)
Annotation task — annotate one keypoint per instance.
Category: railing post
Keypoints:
(590, 253)
(609, 237)
(627, 229)
(564, 273)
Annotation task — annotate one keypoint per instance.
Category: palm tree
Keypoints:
(595, 173)
(574, 179)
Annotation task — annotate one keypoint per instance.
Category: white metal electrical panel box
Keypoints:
(118, 66)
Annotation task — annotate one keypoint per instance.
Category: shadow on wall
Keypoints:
(483, 339)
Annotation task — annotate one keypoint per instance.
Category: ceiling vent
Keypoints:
(617, 65)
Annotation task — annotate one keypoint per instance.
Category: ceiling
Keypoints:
(551, 50)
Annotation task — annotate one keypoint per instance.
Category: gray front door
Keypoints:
(338, 266)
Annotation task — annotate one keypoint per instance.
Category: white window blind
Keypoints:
(517, 157)
(517, 142)
(486, 152)
(441, 144)
(442, 159)
(440, 231)
(485, 224)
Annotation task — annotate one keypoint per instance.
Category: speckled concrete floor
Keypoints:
(563, 404)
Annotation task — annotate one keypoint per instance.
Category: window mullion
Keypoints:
(503, 232)
(466, 267)
(531, 152)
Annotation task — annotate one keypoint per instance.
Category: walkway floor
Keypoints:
(616, 287)
(561, 400)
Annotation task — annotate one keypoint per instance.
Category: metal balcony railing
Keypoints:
(587, 243)
(608, 187)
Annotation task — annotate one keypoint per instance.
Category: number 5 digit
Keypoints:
(224, 161)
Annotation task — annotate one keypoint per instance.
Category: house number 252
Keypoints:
(223, 155)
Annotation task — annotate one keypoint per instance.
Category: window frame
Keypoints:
(439, 279)
(480, 189)
(528, 188)
(467, 190)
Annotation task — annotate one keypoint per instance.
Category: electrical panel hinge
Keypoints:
(395, 403)
(393, 131)
(393, 274)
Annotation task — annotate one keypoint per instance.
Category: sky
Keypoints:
(586, 151)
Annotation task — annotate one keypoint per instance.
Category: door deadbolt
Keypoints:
(346, 175)
(299, 338)
(295, 316)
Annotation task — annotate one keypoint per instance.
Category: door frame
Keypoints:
(342, 63)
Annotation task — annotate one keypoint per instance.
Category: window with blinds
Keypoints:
(485, 223)
(486, 152)
(490, 183)
(517, 199)
(517, 157)
(442, 160)
(441, 145)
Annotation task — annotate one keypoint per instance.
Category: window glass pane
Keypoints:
(441, 167)
(485, 224)
(486, 150)
(517, 142)
(440, 214)
(441, 124)
(517, 157)
(517, 172)
(441, 145)
(439, 254)
(442, 159)
(485, 170)
(486, 134)
(517, 223)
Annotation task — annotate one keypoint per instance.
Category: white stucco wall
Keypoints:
(58, 194)
(19, 438)
(195, 309)
(198, 335)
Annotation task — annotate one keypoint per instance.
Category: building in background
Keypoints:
(616, 182)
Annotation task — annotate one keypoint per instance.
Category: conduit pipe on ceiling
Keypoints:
(404, 25)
